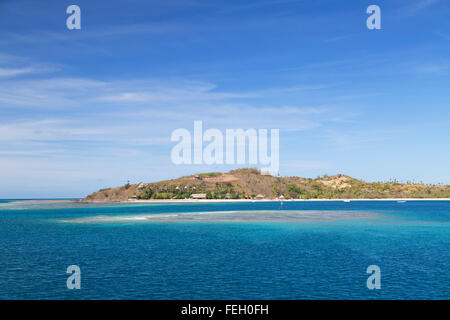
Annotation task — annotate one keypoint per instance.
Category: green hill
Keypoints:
(250, 184)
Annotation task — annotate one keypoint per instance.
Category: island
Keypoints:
(250, 184)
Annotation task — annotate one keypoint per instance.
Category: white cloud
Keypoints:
(355, 139)
(420, 5)
(13, 66)
(96, 33)
(439, 69)
(176, 92)
(424, 4)
(60, 93)
(5, 72)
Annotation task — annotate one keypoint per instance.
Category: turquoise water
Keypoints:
(300, 250)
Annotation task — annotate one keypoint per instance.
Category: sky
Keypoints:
(87, 109)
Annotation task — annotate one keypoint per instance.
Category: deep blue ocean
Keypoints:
(314, 258)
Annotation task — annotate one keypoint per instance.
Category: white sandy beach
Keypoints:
(265, 200)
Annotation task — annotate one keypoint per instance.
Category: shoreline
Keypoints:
(251, 201)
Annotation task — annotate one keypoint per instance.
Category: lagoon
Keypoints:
(260, 250)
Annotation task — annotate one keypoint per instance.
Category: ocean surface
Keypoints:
(260, 250)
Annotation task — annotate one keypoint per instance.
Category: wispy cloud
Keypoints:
(11, 72)
(44, 36)
(443, 35)
(339, 38)
(422, 4)
(63, 92)
(419, 5)
(436, 69)
(355, 139)
(50, 93)
(185, 91)
(12, 66)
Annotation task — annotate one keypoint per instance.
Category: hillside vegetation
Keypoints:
(251, 184)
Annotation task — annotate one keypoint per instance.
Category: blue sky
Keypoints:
(86, 109)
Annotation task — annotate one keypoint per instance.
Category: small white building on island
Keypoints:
(198, 196)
